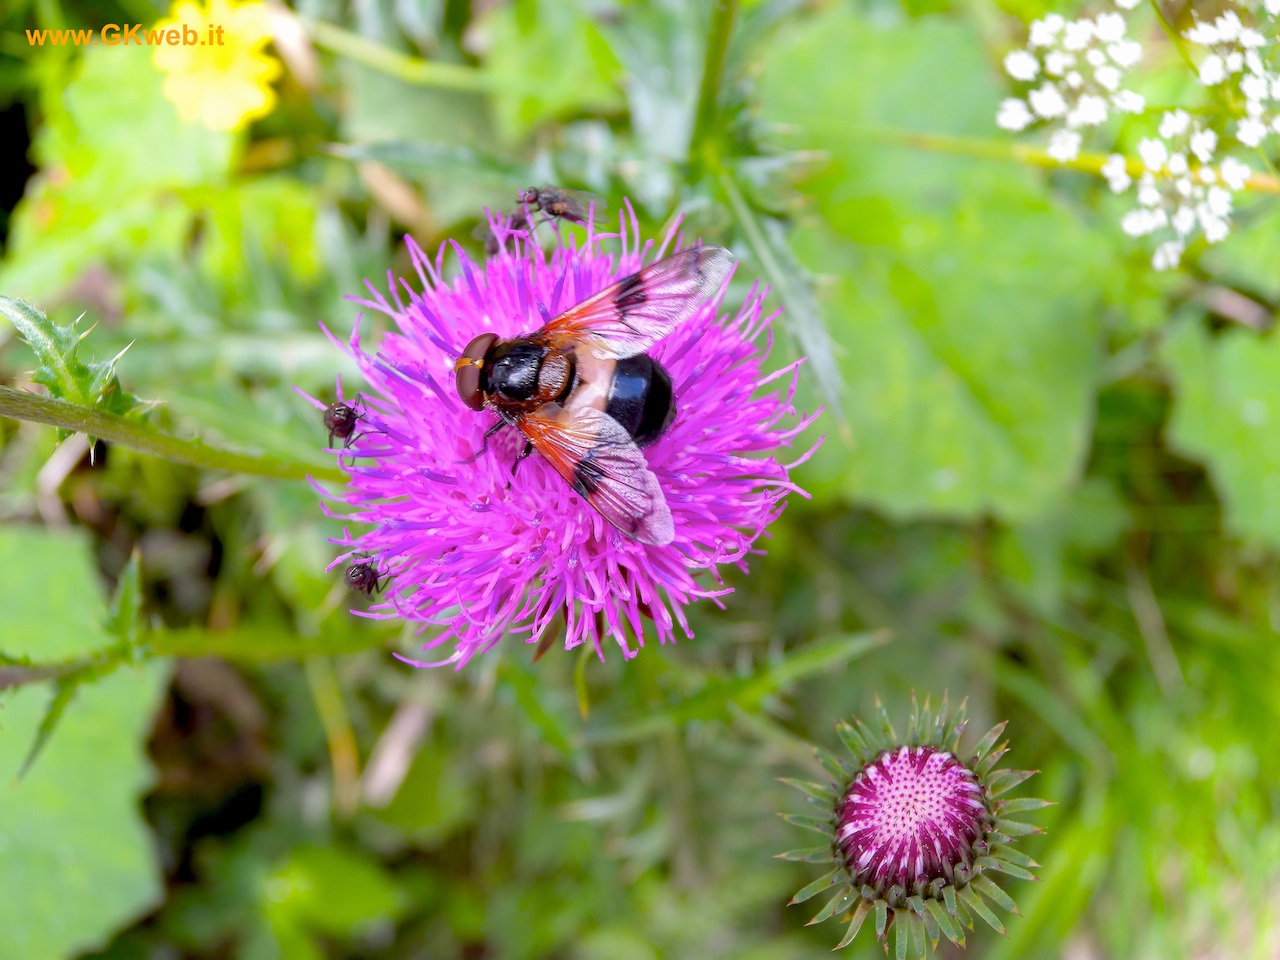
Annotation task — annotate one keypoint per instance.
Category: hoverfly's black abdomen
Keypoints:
(511, 369)
(641, 399)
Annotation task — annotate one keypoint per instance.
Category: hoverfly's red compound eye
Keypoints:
(468, 368)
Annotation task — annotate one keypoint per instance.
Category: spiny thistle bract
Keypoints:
(914, 831)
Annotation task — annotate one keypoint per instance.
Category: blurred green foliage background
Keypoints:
(1050, 484)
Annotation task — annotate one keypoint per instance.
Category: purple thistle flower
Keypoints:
(476, 554)
(913, 831)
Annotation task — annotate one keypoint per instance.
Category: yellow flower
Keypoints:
(222, 84)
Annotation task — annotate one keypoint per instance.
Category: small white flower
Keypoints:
(1130, 4)
(1273, 7)
(1167, 255)
(1203, 143)
(1205, 34)
(1275, 124)
(1116, 170)
(1254, 87)
(1045, 32)
(1108, 78)
(1235, 61)
(1234, 173)
(1212, 71)
(1229, 27)
(1208, 175)
(1013, 115)
(1127, 101)
(1047, 101)
(1174, 123)
(1095, 57)
(1250, 38)
(1184, 221)
(1125, 53)
(1250, 131)
(1074, 80)
(1090, 110)
(1215, 229)
(1137, 223)
(1148, 192)
(1218, 201)
(1056, 63)
(1078, 34)
(1021, 65)
(1183, 187)
(1064, 145)
(1177, 164)
(1154, 153)
(1275, 88)
(1109, 27)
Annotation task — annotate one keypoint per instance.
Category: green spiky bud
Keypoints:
(915, 828)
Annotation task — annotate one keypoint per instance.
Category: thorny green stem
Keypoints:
(20, 405)
(1036, 156)
(722, 16)
(414, 70)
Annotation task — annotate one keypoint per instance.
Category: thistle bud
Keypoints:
(914, 830)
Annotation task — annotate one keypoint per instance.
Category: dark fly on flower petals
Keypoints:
(585, 393)
(341, 420)
(363, 577)
(555, 203)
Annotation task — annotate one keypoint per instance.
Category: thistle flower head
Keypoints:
(474, 553)
(914, 829)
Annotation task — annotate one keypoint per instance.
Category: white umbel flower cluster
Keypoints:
(1075, 70)
(1180, 191)
(1238, 56)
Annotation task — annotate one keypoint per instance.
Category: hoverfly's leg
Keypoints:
(484, 445)
(528, 449)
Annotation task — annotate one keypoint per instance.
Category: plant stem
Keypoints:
(1174, 37)
(1035, 156)
(802, 316)
(414, 70)
(722, 16)
(20, 405)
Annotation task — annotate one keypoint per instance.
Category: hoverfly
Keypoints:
(363, 577)
(586, 395)
(340, 419)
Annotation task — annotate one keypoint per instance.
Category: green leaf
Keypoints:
(1225, 413)
(527, 35)
(976, 904)
(68, 377)
(124, 618)
(59, 617)
(332, 891)
(855, 924)
(990, 889)
(76, 859)
(966, 296)
(807, 855)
